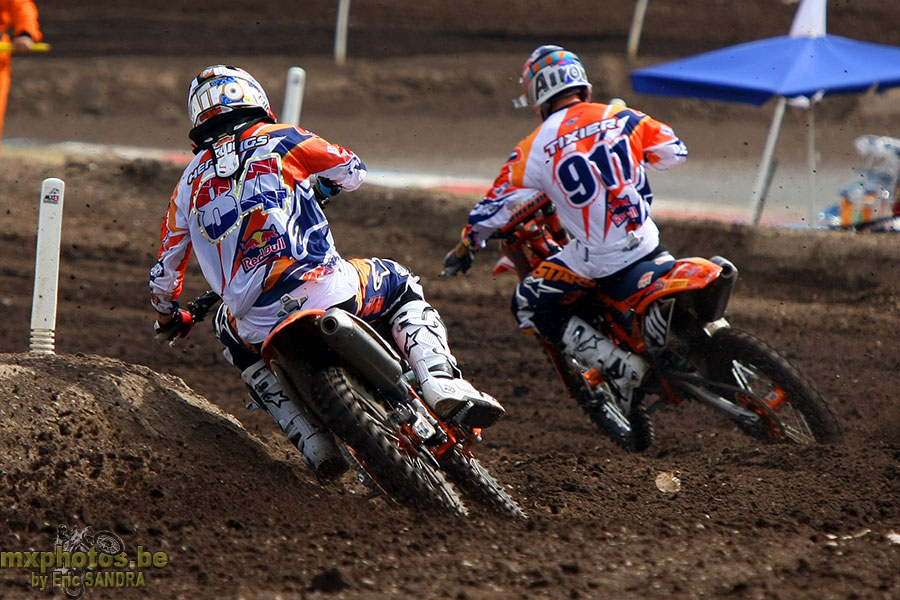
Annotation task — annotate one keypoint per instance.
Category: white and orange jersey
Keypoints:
(592, 160)
(260, 233)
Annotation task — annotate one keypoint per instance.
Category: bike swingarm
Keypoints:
(712, 399)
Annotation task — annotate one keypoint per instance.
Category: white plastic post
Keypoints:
(46, 267)
(293, 96)
(340, 32)
(637, 24)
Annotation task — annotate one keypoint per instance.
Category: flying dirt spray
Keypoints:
(46, 267)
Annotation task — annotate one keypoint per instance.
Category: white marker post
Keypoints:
(46, 267)
(293, 96)
(340, 32)
(637, 24)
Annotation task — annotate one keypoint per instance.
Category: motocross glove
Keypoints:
(454, 264)
(325, 189)
(178, 327)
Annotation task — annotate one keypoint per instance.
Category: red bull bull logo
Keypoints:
(260, 245)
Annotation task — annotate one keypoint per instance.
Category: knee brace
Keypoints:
(420, 334)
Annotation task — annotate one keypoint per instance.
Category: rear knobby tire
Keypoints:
(354, 414)
(803, 416)
(476, 483)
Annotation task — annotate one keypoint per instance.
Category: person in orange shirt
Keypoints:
(20, 17)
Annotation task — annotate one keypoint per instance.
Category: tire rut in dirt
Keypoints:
(730, 346)
(350, 411)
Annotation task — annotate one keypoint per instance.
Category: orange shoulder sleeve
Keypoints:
(24, 16)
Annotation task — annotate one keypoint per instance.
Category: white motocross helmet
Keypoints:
(547, 72)
(220, 90)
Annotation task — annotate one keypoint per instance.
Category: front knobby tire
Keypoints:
(354, 414)
(476, 483)
(791, 410)
(108, 543)
(632, 432)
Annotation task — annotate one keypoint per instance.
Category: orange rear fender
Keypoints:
(692, 273)
(303, 320)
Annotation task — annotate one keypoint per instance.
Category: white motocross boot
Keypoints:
(422, 337)
(625, 370)
(320, 451)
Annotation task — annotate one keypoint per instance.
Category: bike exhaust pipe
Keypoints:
(355, 341)
(729, 271)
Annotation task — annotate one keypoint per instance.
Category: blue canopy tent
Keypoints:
(801, 67)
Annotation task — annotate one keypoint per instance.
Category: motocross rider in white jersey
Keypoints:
(250, 207)
(591, 159)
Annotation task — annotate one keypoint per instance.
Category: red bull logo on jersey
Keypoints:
(260, 245)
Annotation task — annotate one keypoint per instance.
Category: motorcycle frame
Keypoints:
(310, 340)
(534, 232)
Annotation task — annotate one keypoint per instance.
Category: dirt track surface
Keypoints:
(112, 442)
(154, 443)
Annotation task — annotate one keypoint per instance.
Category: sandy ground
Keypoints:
(154, 444)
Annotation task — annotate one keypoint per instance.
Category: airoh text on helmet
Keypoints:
(222, 95)
(549, 71)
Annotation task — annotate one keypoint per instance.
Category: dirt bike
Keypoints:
(676, 321)
(71, 541)
(871, 202)
(340, 368)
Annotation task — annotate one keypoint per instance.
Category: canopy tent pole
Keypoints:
(757, 197)
(811, 149)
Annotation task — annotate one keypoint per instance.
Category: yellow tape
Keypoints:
(36, 47)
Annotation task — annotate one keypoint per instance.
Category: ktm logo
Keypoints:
(551, 272)
(373, 305)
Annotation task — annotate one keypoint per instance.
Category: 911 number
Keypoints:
(607, 167)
